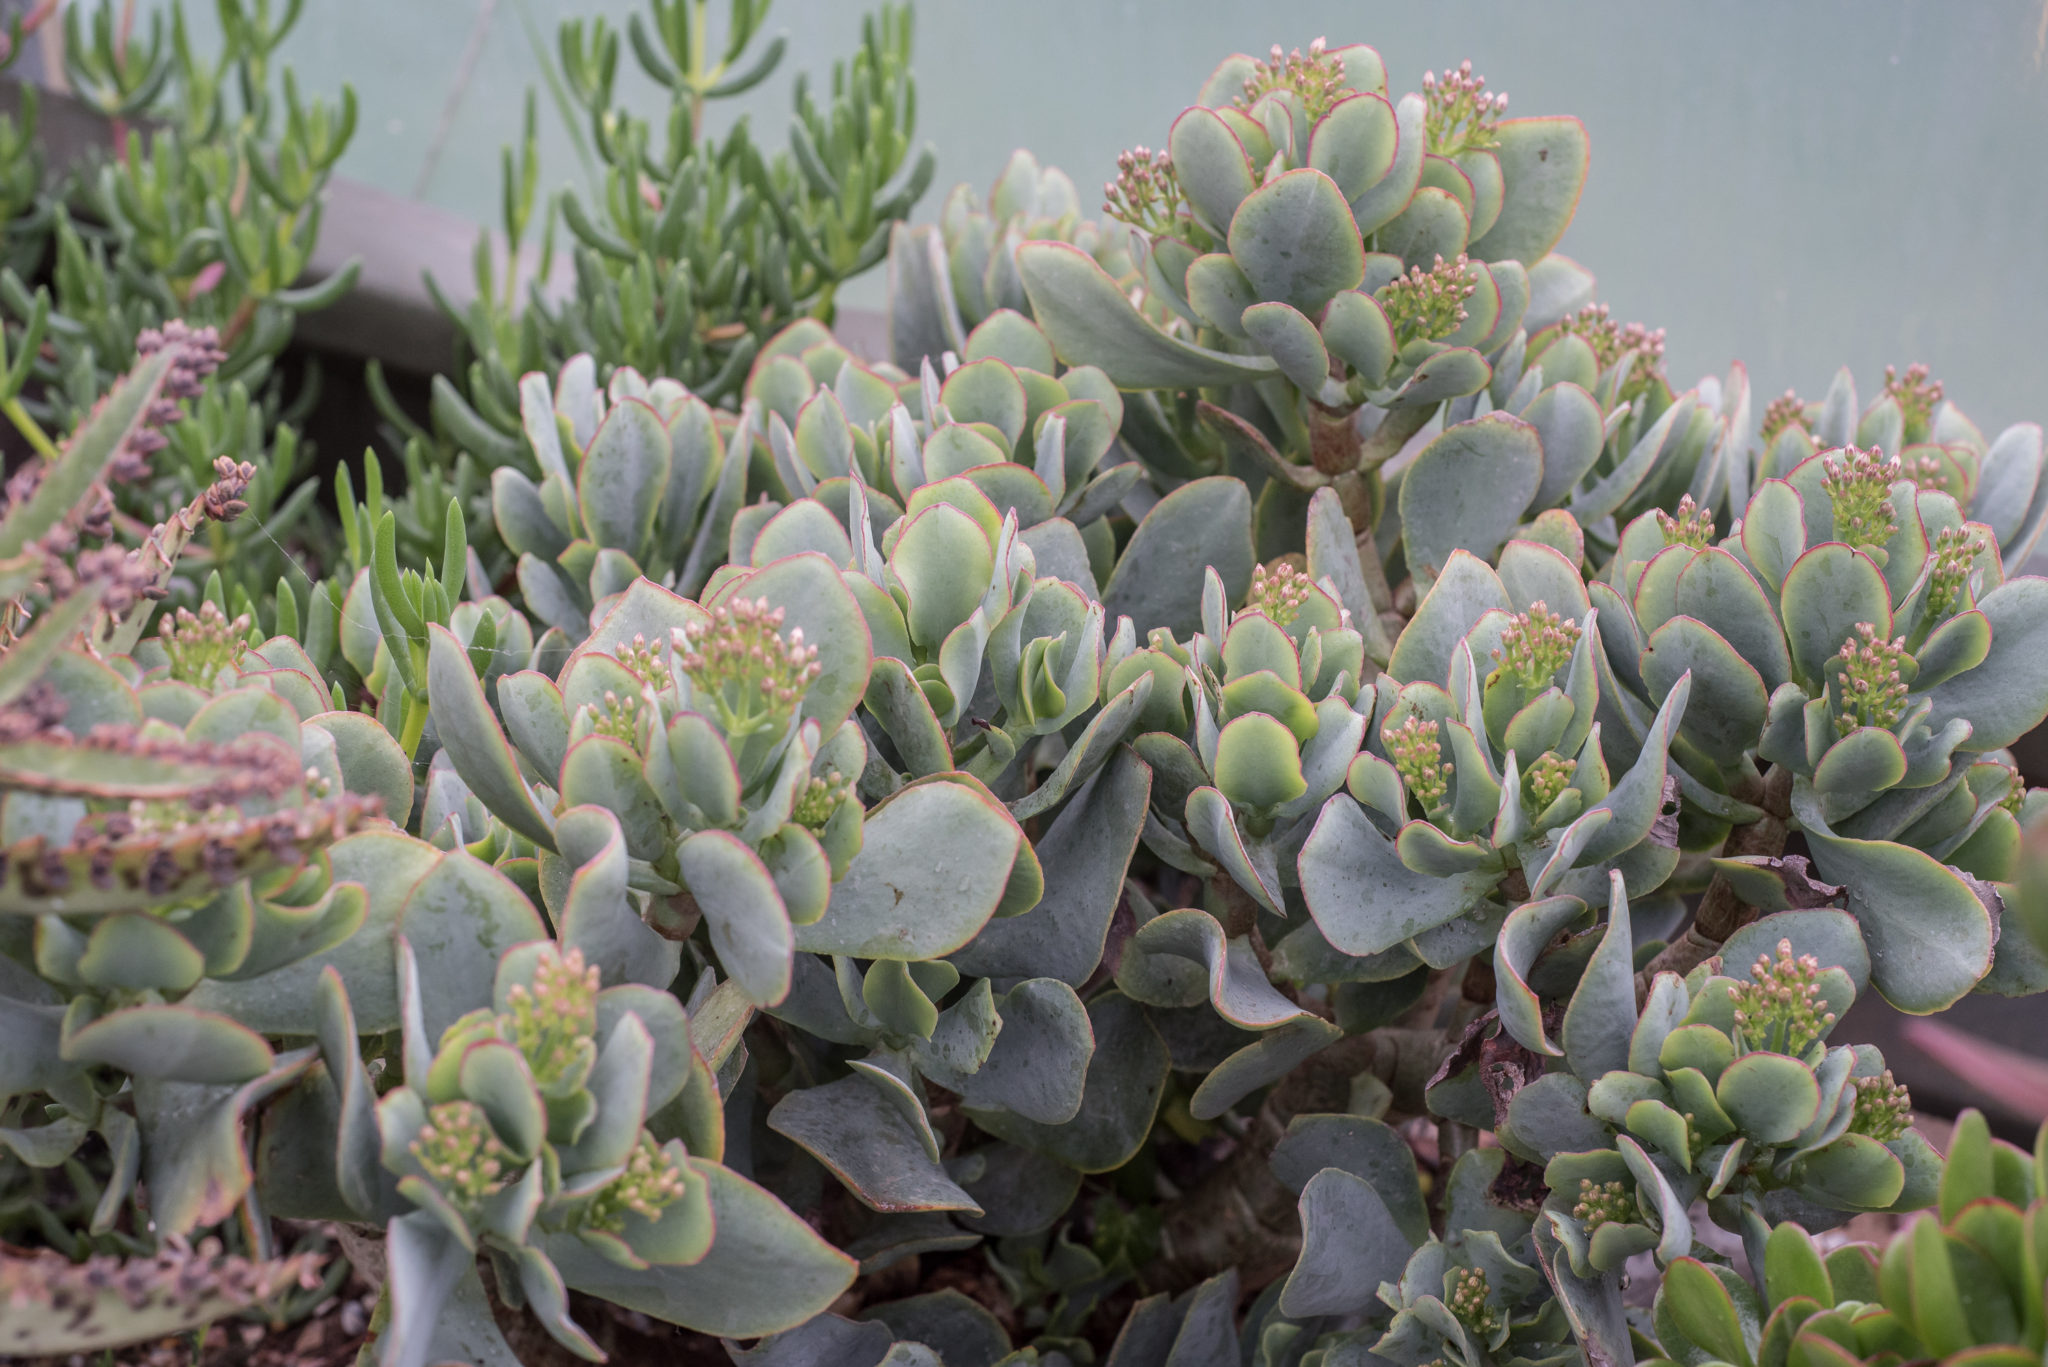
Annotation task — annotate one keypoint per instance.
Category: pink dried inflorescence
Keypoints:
(125, 576)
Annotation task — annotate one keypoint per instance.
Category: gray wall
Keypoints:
(1798, 183)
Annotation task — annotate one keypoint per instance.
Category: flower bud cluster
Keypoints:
(1317, 79)
(1536, 644)
(1462, 111)
(1605, 1203)
(1427, 305)
(459, 1153)
(552, 1021)
(1786, 411)
(1916, 394)
(1955, 551)
(1418, 758)
(650, 1184)
(1884, 1108)
(203, 646)
(1872, 685)
(819, 800)
(1926, 472)
(1548, 777)
(1781, 1007)
(1467, 1299)
(738, 659)
(1859, 484)
(644, 662)
(617, 717)
(1278, 594)
(1691, 526)
(1146, 193)
(1611, 341)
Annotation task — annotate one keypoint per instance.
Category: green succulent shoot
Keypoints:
(1865, 687)
(1942, 1288)
(1727, 1092)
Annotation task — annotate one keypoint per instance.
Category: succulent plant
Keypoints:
(700, 246)
(634, 478)
(1331, 266)
(1249, 769)
(1963, 1286)
(947, 279)
(1871, 700)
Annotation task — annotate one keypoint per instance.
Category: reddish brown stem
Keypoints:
(1722, 911)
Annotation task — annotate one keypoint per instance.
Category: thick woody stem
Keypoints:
(1722, 912)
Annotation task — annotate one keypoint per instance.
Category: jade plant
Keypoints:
(1962, 1285)
(1261, 789)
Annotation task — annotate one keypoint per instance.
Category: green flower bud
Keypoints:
(552, 1021)
(742, 667)
(1859, 484)
(1785, 411)
(1884, 1108)
(459, 1153)
(1955, 551)
(1418, 758)
(646, 663)
(1316, 79)
(1872, 687)
(205, 646)
(1548, 777)
(1916, 394)
(1610, 341)
(1536, 644)
(1461, 111)
(1691, 526)
(1781, 1008)
(818, 801)
(1605, 1203)
(651, 1183)
(1466, 1292)
(1426, 305)
(1279, 594)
